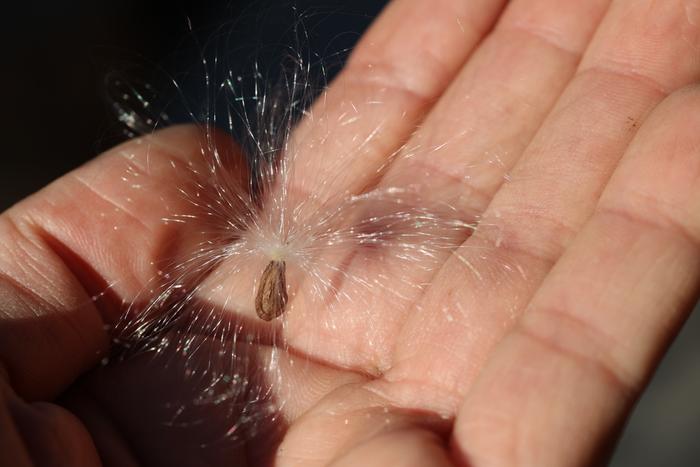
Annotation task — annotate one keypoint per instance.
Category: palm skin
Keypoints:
(531, 355)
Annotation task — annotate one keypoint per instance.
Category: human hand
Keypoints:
(535, 335)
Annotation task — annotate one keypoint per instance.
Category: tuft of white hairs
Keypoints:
(341, 251)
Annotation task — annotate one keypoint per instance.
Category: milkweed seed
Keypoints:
(272, 291)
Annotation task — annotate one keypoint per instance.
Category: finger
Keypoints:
(41, 434)
(406, 448)
(367, 430)
(75, 254)
(395, 73)
(483, 122)
(605, 314)
(398, 69)
(494, 106)
(12, 449)
(552, 191)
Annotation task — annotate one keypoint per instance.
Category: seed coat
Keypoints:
(272, 291)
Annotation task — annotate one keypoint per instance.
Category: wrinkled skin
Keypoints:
(592, 110)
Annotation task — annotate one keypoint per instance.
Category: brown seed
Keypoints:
(272, 291)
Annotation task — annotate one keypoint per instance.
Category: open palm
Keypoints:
(533, 337)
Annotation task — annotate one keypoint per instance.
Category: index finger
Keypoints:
(396, 72)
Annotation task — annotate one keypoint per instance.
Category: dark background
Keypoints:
(55, 115)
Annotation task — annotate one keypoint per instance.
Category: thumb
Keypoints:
(74, 254)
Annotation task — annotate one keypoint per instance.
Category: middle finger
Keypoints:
(641, 52)
(473, 135)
